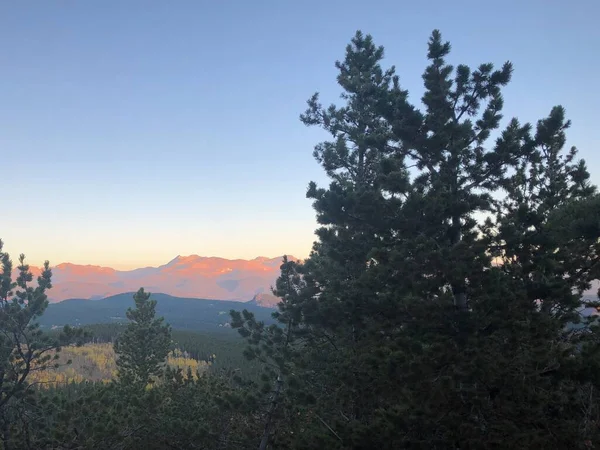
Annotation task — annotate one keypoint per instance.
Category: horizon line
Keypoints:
(133, 267)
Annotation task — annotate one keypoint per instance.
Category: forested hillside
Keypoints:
(436, 310)
(181, 313)
(207, 350)
(96, 362)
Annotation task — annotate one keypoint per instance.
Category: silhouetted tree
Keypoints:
(143, 347)
(24, 348)
(434, 309)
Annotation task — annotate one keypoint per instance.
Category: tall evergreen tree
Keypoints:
(349, 212)
(24, 348)
(459, 367)
(143, 347)
(411, 334)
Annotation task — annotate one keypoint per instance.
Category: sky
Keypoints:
(135, 131)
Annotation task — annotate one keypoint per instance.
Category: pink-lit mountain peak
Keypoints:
(180, 260)
(213, 265)
(81, 269)
(184, 276)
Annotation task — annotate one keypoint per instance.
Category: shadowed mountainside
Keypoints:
(181, 313)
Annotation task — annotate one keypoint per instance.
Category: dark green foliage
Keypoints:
(143, 347)
(180, 412)
(547, 224)
(272, 345)
(275, 346)
(24, 348)
(224, 351)
(191, 314)
(417, 323)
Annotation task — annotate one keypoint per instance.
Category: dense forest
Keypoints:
(222, 351)
(440, 307)
(182, 313)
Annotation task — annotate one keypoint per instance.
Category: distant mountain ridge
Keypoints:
(190, 276)
(184, 276)
(181, 313)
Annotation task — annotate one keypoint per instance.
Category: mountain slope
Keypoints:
(181, 313)
(184, 276)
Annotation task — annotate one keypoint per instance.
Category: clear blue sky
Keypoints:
(134, 131)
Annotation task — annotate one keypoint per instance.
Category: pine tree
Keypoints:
(350, 212)
(275, 345)
(143, 347)
(24, 348)
(421, 326)
(462, 365)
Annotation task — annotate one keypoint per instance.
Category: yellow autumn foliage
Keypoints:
(97, 362)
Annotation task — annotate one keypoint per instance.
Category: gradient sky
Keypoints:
(134, 131)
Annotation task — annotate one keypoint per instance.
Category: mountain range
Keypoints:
(191, 276)
(185, 276)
